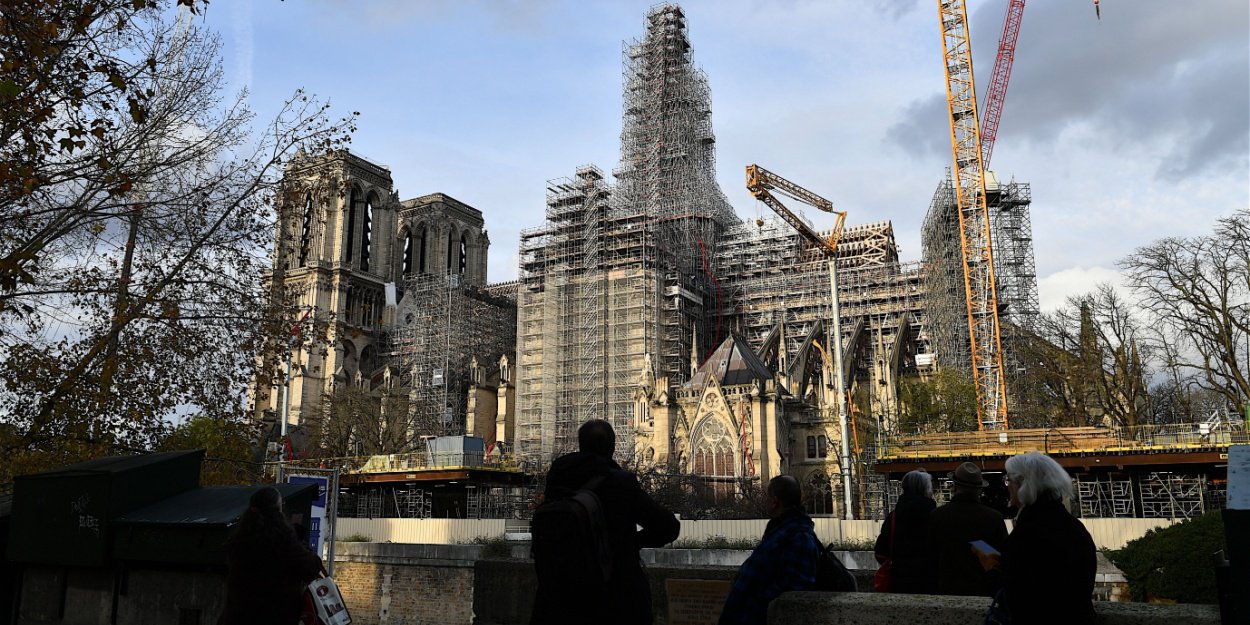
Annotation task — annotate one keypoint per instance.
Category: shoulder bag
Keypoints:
(881, 582)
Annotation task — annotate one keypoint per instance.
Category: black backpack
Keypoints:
(570, 543)
(831, 574)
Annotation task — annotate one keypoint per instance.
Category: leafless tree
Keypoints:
(137, 210)
(1196, 294)
(357, 422)
(1091, 358)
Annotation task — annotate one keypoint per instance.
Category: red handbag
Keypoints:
(881, 582)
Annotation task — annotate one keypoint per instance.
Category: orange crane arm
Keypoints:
(974, 224)
(761, 183)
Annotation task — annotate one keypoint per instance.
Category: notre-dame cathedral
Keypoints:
(394, 310)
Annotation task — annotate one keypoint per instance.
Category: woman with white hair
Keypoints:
(1049, 561)
(903, 546)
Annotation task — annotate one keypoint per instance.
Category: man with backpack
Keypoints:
(786, 558)
(586, 537)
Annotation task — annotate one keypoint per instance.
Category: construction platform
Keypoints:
(454, 484)
(1073, 447)
(1156, 471)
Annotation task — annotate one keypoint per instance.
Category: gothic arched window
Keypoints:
(366, 235)
(407, 268)
(464, 253)
(819, 491)
(713, 450)
(817, 446)
(451, 251)
(421, 249)
(350, 241)
(306, 234)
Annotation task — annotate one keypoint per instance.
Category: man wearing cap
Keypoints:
(952, 529)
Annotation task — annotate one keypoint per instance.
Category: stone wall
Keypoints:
(391, 584)
(815, 608)
(455, 584)
(144, 596)
(505, 589)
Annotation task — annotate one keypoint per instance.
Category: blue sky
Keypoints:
(1130, 128)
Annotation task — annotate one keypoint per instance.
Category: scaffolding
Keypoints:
(624, 273)
(777, 294)
(1014, 271)
(442, 324)
(1105, 495)
(492, 501)
(1172, 495)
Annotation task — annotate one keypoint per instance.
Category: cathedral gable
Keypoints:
(713, 402)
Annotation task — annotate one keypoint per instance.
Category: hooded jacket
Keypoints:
(627, 596)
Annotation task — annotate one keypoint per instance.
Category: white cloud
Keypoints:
(1055, 289)
(1128, 129)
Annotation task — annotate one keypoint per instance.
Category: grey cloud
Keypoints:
(519, 15)
(1145, 72)
(919, 132)
(1150, 70)
(895, 8)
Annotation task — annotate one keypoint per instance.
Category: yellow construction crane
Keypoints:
(974, 224)
(762, 184)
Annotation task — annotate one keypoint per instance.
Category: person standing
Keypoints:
(269, 566)
(1049, 561)
(625, 598)
(904, 538)
(953, 527)
(784, 560)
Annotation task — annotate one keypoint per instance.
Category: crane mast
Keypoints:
(997, 92)
(762, 183)
(974, 225)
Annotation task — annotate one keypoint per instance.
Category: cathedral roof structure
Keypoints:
(733, 363)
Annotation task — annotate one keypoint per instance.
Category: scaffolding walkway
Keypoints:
(1075, 440)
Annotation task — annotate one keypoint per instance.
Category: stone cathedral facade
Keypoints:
(369, 272)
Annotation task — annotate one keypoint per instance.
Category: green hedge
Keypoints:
(1174, 563)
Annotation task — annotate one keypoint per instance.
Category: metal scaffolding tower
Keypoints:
(443, 325)
(622, 273)
(1014, 269)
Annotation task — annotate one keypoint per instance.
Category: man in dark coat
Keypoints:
(784, 560)
(626, 598)
(954, 526)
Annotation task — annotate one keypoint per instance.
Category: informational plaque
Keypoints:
(695, 601)
(1239, 477)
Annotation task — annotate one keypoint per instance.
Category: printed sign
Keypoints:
(695, 601)
(317, 519)
(1239, 477)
